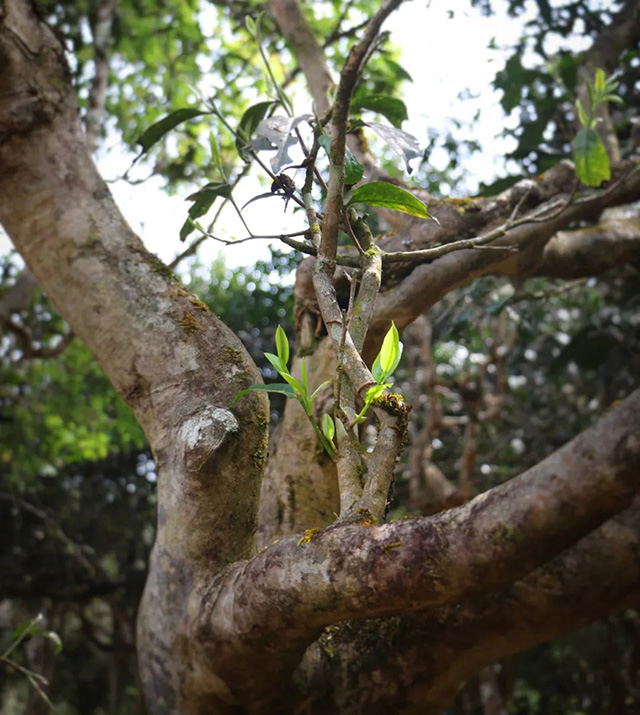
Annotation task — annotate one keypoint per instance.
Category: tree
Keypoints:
(279, 586)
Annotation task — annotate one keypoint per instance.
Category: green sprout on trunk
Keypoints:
(296, 389)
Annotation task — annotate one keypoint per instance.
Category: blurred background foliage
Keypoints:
(499, 373)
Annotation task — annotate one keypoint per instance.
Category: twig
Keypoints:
(25, 340)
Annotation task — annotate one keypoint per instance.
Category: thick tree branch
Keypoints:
(433, 654)
(287, 594)
(60, 215)
(175, 363)
(427, 283)
(585, 252)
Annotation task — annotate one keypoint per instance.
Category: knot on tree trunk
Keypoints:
(209, 434)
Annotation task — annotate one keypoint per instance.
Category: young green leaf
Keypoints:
(250, 24)
(156, 131)
(376, 370)
(320, 387)
(590, 157)
(279, 387)
(390, 349)
(582, 115)
(299, 391)
(382, 193)
(215, 154)
(303, 373)
(275, 360)
(202, 202)
(375, 391)
(282, 345)
(600, 81)
(393, 109)
(328, 428)
(389, 356)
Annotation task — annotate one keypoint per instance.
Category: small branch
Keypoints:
(71, 547)
(340, 115)
(349, 471)
(284, 237)
(543, 213)
(25, 341)
(370, 283)
(393, 427)
(97, 95)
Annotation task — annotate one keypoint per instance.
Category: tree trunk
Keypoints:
(359, 615)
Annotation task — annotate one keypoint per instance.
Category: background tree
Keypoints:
(431, 590)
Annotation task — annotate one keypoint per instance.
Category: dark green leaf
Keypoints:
(279, 387)
(28, 628)
(156, 131)
(381, 193)
(398, 71)
(353, 169)
(390, 107)
(266, 195)
(202, 202)
(590, 156)
(248, 125)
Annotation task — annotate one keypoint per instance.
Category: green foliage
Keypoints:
(157, 131)
(386, 195)
(353, 169)
(538, 88)
(590, 156)
(384, 365)
(59, 412)
(298, 390)
(248, 125)
(392, 108)
(591, 159)
(202, 203)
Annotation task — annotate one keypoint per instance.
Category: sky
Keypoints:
(444, 56)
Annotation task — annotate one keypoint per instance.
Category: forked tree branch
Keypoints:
(288, 593)
(433, 654)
